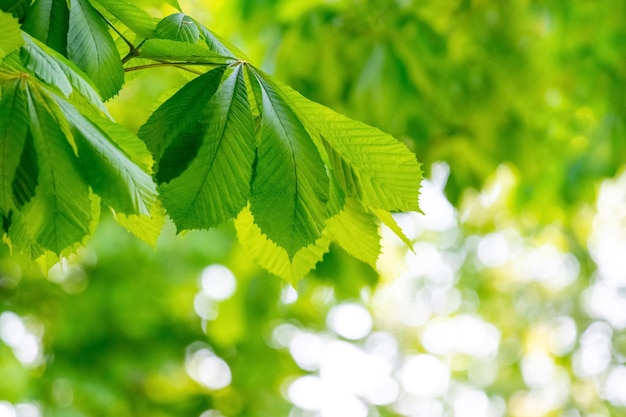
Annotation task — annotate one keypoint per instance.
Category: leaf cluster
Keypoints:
(233, 143)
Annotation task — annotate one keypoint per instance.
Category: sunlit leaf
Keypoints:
(48, 21)
(92, 49)
(10, 35)
(169, 50)
(146, 227)
(219, 45)
(136, 19)
(45, 66)
(369, 165)
(174, 4)
(290, 187)
(216, 184)
(387, 219)
(356, 231)
(178, 27)
(56, 70)
(276, 259)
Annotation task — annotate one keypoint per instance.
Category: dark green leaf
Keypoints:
(48, 21)
(13, 131)
(92, 49)
(25, 181)
(180, 114)
(290, 188)
(16, 7)
(216, 185)
(178, 27)
(59, 214)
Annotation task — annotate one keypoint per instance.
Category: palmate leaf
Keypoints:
(59, 214)
(10, 35)
(178, 27)
(290, 188)
(369, 165)
(92, 49)
(216, 184)
(136, 19)
(13, 131)
(48, 21)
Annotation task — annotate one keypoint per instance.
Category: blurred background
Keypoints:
(513, 302)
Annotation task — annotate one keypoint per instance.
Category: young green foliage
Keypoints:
(10, 35)
(233, 143)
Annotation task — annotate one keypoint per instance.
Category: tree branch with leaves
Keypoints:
(233, 143)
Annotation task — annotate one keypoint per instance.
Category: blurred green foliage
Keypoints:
(523, 101)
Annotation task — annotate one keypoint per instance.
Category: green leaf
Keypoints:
(276, 259)
(92, 49)
(369, 164)
(48, 21)
(180, 115)
(59, 214)
(290, 188)
(16, 7)
(219, 45)
(136, 19)
(13, 131)
(168, 50)
(146, 227)
(25, 180)
(10, 35)
(53, 68)
(19, 238)
(44, 66)
(387, 219)
(109, 170)
(216, 184)
(356, 231)
(178, 27)
(174, 4)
